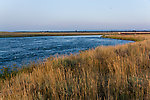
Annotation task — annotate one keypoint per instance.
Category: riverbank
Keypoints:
(33, 34)
(108, 72)
(128, 37)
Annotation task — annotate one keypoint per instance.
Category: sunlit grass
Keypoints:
(128, 37)
(107, 72)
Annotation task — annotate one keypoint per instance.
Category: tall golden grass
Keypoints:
(112, 72)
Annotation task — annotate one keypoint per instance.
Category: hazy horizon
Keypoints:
(85, 15)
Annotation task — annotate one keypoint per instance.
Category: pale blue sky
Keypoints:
(74, 14)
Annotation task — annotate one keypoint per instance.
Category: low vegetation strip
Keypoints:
(131, 33)
(33, 34)
(111, 72)
(128, 37)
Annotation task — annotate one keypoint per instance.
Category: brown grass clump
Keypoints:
(113, 72)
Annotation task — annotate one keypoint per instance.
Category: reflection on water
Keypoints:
(22, 50)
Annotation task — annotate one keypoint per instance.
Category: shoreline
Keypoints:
(69, 33)
(29, 34)
(134, 38)
(101, 36)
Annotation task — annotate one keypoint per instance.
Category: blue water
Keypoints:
(22, 50)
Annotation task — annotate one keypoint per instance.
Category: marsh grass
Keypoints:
(112, 72)
(128, 37)
(33, 34)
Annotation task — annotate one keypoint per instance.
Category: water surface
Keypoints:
(22, 50)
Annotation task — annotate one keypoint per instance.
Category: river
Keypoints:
(22, 50)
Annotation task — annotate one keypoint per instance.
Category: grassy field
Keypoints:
(108, 72)
(128, 37)
(31, 34)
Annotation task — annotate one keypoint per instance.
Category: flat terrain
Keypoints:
(135, 37)
(131, 33)
(108, 72)
(31, 34)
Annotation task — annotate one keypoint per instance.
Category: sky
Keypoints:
(52, 15)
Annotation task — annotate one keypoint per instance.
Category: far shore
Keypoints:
(65, 33)
(33, 34)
